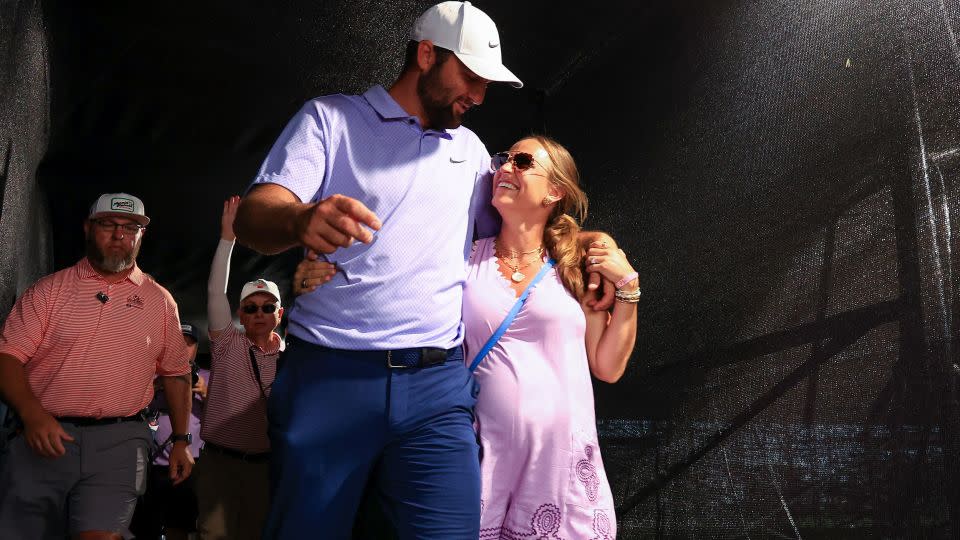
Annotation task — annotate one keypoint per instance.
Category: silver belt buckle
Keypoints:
(390, 362)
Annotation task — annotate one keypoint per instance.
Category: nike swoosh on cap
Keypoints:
(454, 160)
(493, 44)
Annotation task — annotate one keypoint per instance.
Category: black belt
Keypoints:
(418, 357)
(251, 457)
(84, 421)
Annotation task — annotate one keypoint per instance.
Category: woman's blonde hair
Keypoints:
(563, 225)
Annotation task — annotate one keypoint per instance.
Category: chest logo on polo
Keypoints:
(135, 301)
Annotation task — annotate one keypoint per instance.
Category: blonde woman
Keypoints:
(541, 471)
(542, 476)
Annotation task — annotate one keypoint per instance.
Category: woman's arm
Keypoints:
(218, 306)
(610, 336)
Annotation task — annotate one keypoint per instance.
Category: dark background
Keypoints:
(784, 175)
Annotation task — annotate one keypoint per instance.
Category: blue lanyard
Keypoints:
(510, 316)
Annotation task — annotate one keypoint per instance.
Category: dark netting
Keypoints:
(24, 130)
(783, 174)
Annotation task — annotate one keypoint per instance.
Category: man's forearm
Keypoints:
(266, 219)
(14, 389)
(177, 392)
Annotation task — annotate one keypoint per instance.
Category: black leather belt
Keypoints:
(84, 421)
(419, 358)
(250, 457)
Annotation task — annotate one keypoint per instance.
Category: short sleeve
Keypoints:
(298, 160)
(220, 344)
(25, 325)
(173, 360)
(485, 218)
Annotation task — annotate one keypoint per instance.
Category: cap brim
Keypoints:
(489, 70)
(143, 220)
(261, 291)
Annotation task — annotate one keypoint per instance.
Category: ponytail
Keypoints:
(560, 239)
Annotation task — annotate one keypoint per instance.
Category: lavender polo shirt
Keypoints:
(430, 190)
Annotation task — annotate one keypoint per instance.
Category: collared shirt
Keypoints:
(93, 358)
(428, 187)
(235, 415)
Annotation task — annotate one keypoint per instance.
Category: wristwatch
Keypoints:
(187, 438)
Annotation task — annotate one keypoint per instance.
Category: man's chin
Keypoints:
(447, 119)
(113, 265)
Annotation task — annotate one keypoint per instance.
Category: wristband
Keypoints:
(626, 279)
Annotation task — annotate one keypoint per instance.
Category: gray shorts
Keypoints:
(93, 487)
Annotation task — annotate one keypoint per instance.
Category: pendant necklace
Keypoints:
(515, 259)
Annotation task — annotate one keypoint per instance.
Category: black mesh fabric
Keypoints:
(783, 174)
(24, 131)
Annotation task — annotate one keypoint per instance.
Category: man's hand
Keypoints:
(336, 221)
(271, 219)
(181, 462)
(312, 273)
(44, 434)
(226, 219)
(602, 289)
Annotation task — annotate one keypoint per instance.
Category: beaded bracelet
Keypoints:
(627, 297)
(626, 279)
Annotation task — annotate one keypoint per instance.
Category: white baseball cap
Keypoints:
(260, 286)
(470, 34)
(120, 205)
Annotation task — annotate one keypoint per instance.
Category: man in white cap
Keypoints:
(232, 476)
(78, 356)
(373, 383)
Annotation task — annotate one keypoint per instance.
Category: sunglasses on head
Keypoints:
(521, 160)
(250, 309)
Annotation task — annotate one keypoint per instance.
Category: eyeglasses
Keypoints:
(521, 160)
(129, 228)
(250, 309)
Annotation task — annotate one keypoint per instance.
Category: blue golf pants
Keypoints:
(337, 417)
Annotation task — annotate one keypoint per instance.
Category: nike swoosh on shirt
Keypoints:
(455, 160)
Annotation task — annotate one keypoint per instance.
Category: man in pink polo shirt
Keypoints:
(78, 355)
(233, 473)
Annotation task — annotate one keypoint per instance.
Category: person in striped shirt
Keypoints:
(233, 475)
(78, 356)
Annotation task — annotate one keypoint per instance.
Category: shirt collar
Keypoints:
(388, 109)
(275, 343)
(85, 270)
(382, 102)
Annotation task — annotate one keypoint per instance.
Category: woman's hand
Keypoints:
(200, 388)
(229, 214)
(612, 264)
(312, 273)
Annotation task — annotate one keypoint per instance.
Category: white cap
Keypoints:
(121, 205)
(260, 286)
(470, 34)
